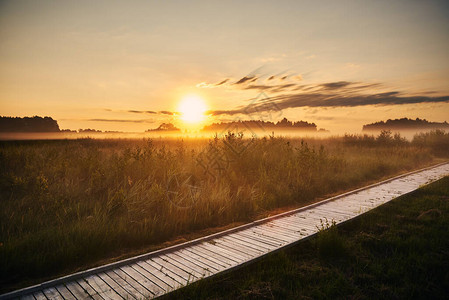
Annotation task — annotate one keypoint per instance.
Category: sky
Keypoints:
(127, 65)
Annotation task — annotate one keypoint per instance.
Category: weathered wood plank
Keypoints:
(152, 284)
(265, 245)
(191, 270)
(102, 288)
(197, 258)
(65, 293)
(269, 233)
(87, 290)
(139, 282)
(163, 273)
(173, 269)
(238, 245)
(210, 254)
(200, 272)
(77, 290)
(127, 286)
(39, 296)
(115, 286)
(249, 243)
(251, 235)
(223, 251)
(234, 249)
(52, 293)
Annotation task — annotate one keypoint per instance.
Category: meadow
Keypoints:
(72, 204)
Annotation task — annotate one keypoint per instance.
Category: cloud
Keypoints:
(222, 82)
(336, 85)
(152, 112)
(166, 112)
(274, 83)
(142, 111)
(212, 85)
(320, 99)
(121, 120)
(246, 79)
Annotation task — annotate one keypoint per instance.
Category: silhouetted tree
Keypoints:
(27, 124)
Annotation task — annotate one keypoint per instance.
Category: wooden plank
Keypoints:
(200, 264)
(233, 248)
(76, 290)
(307, 217)
(138, 281)
(39, 296)
(336, 208)
(153, 284)
(240, 246)
(175, 270)
(88, 290)
(200, 259)
(248, 243)
(269, 233)
(222, 261)
(283, 228)
(275, 241)
(296, 226)
(192, 270)
(202, 271)
(65, 293)
(160, 272)
(258, 232)
(268, 246)
(115, 286)
(27, 297)
(349, 203)
(127, 286)
(333, 214)
(265, 240)
(101, 287)
(223, 251)
(278, 231)
(52, 293)
(228, 261)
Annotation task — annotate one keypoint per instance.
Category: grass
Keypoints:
(66, 205)
(397, 251)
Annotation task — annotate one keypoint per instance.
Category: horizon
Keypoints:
(338, 65)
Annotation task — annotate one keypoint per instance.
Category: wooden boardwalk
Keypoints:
(159, 272)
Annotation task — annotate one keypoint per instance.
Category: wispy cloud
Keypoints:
(166, 112)
(246, 79)
(142, 111)
(330, 99)
(151, 112)
(122, 120)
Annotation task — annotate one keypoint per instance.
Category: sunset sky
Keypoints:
(127, 65)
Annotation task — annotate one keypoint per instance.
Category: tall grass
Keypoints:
(70, 203)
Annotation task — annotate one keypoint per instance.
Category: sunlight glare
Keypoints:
(192, 109)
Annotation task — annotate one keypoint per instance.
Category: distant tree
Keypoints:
(88, 130)
(28, 124)
(258, 124)
(405, 123)
(165, 127)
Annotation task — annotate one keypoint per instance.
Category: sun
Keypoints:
(192, 109)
